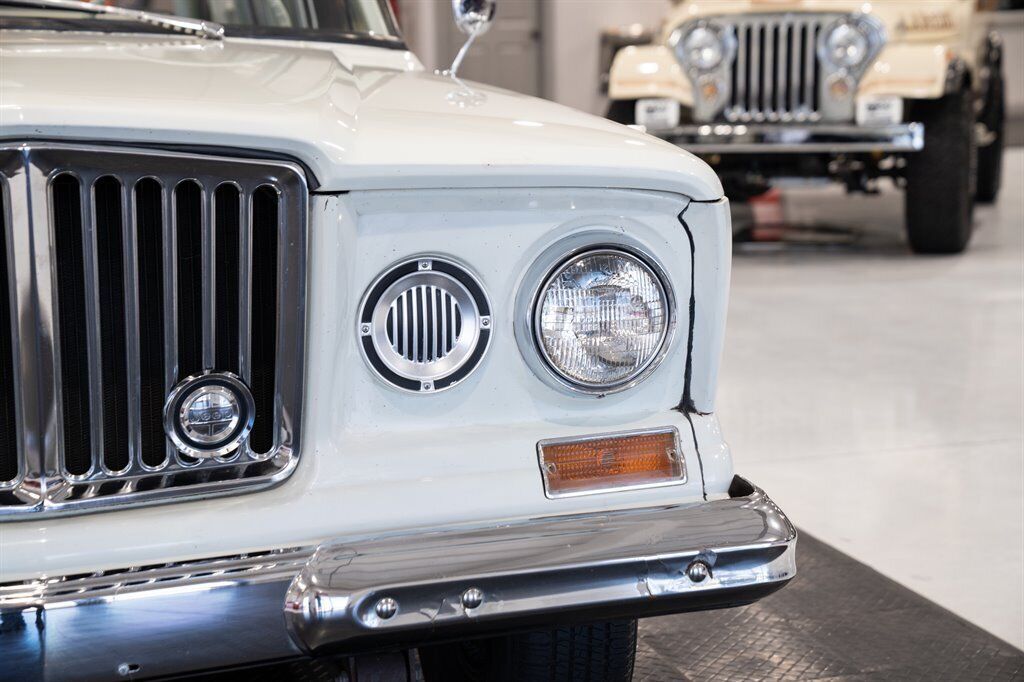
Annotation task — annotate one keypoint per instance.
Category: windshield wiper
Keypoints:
(197, 27)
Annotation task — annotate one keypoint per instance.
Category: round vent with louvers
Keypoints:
(424, 325)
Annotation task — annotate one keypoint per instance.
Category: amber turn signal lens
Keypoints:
(575, 466)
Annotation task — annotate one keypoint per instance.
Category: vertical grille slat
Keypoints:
(210, 266)
(815, 69)
(795, 53)
(809, 65)
(93, 320)
(265, 217)
(170, 290)
(755, 69)
(227, 233)
(427, 323)
(144, 268)
(771, 57)
(445, 324)
(131, 320)
(9, 465)
(245, 286)
(109, 257)
(149, 238)
(69, 235)
(775, 72)
(414, 347)
(188, 226)
(782, 69)
(423, 323)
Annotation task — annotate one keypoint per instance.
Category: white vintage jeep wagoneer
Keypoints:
(304, 350)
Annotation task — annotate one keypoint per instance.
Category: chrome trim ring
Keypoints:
(725, 35)
(186, 436)
(641, 372)
(424, 324)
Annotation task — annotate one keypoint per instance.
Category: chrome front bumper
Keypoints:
(358, 594)
(715, 138)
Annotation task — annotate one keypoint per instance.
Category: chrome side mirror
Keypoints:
(473, 17)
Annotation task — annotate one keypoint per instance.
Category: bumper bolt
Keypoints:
(128, 669)
(472, 598)
(697, 571)
(386, 608)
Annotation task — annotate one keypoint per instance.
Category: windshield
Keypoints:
(333, 20)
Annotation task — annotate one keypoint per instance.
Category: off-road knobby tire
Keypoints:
(941, 177)
(598, 652)
(990, 157)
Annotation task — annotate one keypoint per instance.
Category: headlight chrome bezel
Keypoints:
(664, 343)
(867, 26)
(726, 39)
(705, 107)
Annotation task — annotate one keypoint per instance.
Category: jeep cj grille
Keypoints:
(776, 72)
(122, 272)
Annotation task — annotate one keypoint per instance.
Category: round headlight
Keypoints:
(846, 45)
(702, 48)
(602, 319)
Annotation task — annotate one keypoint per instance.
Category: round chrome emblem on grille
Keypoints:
(209, 415)
(424, 325)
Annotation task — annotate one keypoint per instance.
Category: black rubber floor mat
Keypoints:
(837, 620)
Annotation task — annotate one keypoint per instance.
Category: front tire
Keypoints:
(990, 157)
(941, 177)
(598, 652)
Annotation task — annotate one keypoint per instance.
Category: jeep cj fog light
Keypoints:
(209, 415)
(614, 461)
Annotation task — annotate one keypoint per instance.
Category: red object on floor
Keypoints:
(769, 220)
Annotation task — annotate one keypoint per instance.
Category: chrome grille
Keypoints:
(150, 267)
(776, 73)
(424, 323)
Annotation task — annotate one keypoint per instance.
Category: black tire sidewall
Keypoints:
(597, 652)
(941, 177)
(990, 157)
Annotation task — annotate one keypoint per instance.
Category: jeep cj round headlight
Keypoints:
(601, 319)
(702, 47)
(847, 45)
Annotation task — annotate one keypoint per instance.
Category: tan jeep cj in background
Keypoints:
(840, 89)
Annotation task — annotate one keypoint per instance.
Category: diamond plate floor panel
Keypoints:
(838, 620)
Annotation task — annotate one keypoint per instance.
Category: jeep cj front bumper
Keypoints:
(364, 593)
(768, 138)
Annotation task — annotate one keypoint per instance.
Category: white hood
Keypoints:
(358, 117)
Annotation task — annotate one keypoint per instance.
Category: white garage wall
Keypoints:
(1010, 26)
(418, 20)
(571, 34)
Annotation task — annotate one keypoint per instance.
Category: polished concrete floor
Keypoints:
(879, 396)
